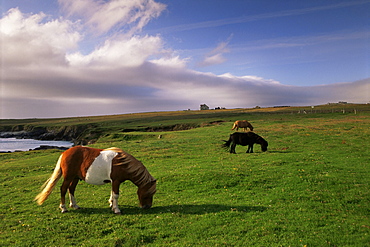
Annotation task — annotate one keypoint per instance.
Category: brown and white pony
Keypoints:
(99, 166)
(242, 124)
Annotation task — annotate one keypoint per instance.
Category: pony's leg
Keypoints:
(115, 208)
(250, 148)
(63, 191)
(232, 148)
(111, 199)
(72, 199)
(114, 197)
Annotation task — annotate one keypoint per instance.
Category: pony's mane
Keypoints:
(138, 172)
(262, 140)
(122, 156)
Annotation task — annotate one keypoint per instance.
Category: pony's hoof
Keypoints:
(74, 206)
(63, 208)
(65, 211)
(118, 213)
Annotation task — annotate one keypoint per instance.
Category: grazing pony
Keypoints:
(244, 139)
(242, 124)
(99, 166)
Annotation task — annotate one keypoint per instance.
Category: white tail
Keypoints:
(50, 183)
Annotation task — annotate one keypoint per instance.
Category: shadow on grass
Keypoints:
(279, 151)
(181, 209)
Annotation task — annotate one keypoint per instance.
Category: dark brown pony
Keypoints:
(244, 139)
(242, 124)
(99, 166)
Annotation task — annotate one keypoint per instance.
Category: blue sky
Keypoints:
(112, 57)
(298, 42)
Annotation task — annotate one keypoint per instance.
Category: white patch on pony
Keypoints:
(101, 168)
(114, 203)
(73, 203)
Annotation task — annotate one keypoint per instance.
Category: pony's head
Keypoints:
(264, 144)
(146, 194)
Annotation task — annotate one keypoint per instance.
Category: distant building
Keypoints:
(339, 103)
(204, 107)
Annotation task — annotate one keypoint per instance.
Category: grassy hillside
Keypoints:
(312, 188)
(89, 129)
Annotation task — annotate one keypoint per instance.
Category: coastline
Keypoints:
(11, 145)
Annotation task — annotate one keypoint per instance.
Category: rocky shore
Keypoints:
(79, 135)
(42, 147)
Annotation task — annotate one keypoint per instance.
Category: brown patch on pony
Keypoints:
(80, 159)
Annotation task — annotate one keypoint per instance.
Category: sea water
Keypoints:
(13, 144)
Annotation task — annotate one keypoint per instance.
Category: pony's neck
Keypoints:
(135, 171)
(260, 140)
(141, 177)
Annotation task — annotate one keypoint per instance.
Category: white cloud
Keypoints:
(43, 73)
(102, 16)
(171, 61)
(29, 40)
(119, 52)
(216, 55)
(212, 60)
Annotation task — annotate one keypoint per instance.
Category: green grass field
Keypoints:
(312, 187)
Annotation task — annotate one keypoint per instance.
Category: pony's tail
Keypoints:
(50, 183)
(227, 143)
